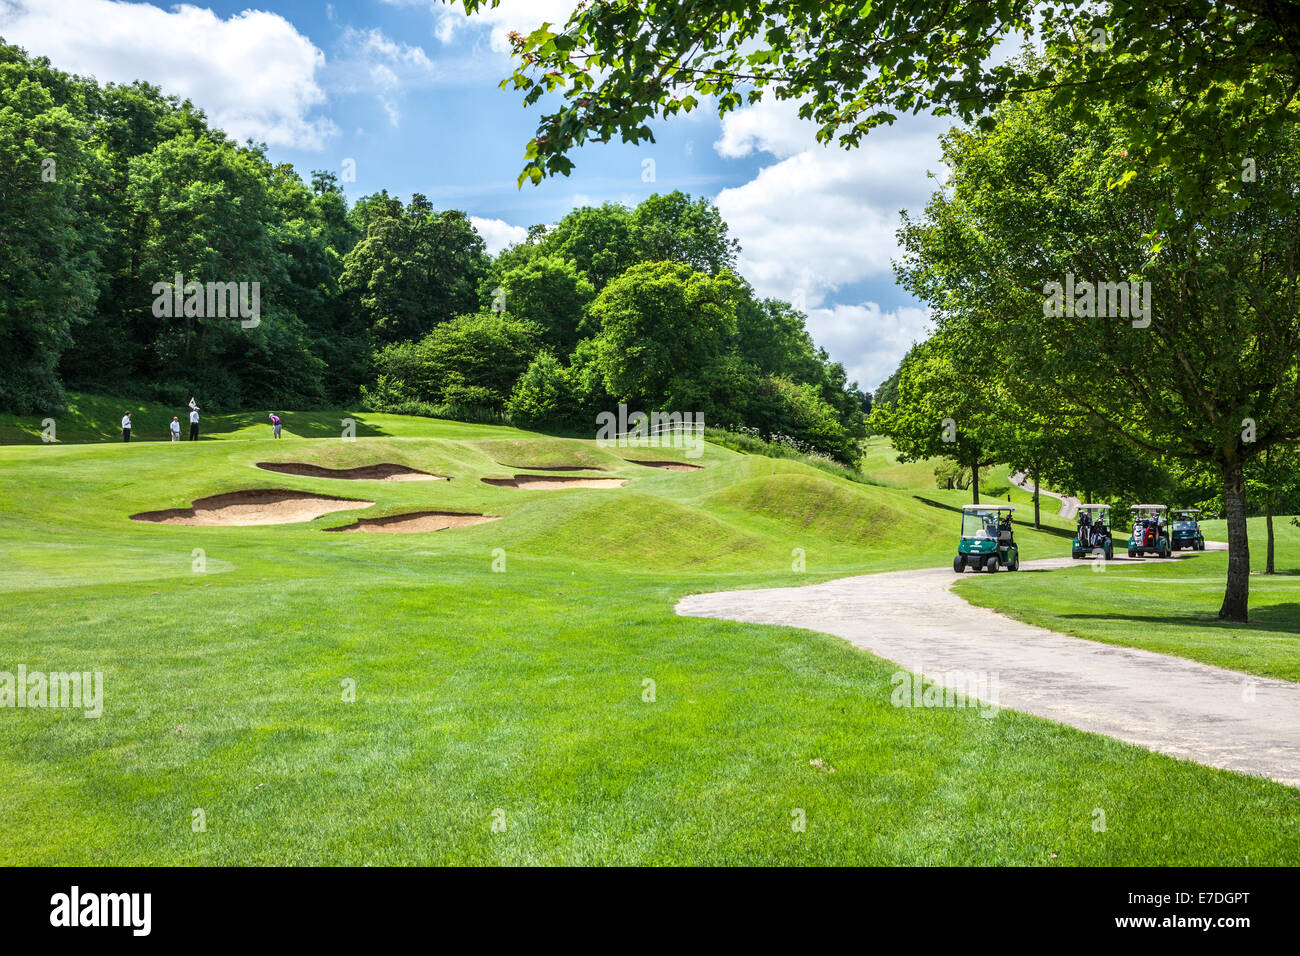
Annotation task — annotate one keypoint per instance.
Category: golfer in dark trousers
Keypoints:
(126, 427)
(194, 424)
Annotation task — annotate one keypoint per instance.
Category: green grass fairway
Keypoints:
(1169, 608)
(521, 695)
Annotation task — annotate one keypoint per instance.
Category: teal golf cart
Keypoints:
(1150, 532)
(1187, 531)
(987, 542)
(1092, 534)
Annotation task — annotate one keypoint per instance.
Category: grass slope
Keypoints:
(521, 695)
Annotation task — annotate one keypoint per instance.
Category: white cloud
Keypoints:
(769, 126)
(868, 340)
(821, 218)
(254, 74)
(375, 43)
(497, 233)
(523, 16)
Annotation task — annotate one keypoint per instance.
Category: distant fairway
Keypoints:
(560, 695)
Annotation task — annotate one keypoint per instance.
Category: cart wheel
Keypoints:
(991, 565)
(959, 564)
(1014, 563)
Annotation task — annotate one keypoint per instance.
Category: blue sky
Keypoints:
(408, 91)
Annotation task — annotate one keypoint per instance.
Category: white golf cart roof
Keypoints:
(1149, 508)
(988, 507)
(1094, 507)
(1187, 511)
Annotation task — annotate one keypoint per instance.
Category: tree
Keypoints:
(1184, 343)
(678, 229)
(663, 326)
(1273, 486)
(543, 396)
(938, 414)
(780, 407)
(550, 291)
(852, 67)
(414, 269)
(49, 242)
(471, 360)
(596, 239)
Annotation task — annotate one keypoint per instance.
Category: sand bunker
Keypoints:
(535, 482)
(416, 522)
(384, 471)
(260, 506)
(666, 465)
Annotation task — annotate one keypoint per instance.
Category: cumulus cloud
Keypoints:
(497, 233)
(820, 218)
(253, 73)
(769, 126)
(870, 341)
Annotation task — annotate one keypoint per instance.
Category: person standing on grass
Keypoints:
(275, 425)
(175, 428)
(126, 427)
(194, 421)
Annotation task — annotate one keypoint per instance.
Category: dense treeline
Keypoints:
(110, 193)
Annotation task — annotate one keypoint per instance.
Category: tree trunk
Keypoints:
(1236, 598)
(1036, 525)
(1268, 523)
(975, 483)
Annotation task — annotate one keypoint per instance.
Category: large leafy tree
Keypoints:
(1201, 365)
(618, 64)
(550, 291)
(663, 328)
(673, 227)
(414, 269)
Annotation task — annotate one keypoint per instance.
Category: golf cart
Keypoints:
(1150, 532)
(1093, 532)
(1187, 533)
(987, 542)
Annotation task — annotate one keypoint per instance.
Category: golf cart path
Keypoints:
(1168, 704)
(1069, 503)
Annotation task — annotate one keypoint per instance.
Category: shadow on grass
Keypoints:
(1268, 616)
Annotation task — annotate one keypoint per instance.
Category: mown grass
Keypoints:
(521, 695)
(1171, 608)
